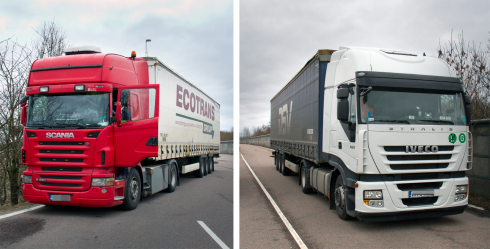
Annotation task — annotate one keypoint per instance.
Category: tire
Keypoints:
(212, 163)
(132, 191)
(172, 181)
(339, 195)
(205, 166)
(200, 172)
(276, 160)
(209, 165)
(280, 162)
(285, 171)
(305, 181)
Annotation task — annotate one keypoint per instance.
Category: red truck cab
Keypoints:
(76, 150)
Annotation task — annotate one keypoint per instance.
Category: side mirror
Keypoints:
(23, 115)
(342, 93)
(118, 114)
(343, 110)
(467, 109)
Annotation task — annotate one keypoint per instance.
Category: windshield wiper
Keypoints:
(393, 121)
(80, 126)
(437, 121)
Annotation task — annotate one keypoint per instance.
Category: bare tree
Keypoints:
(472, 66)
(15, 60)
(15, 63)
(51, 41)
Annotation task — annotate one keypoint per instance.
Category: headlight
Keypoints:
(461, 189)
(102, 182)
(373, 194)
(26, 179)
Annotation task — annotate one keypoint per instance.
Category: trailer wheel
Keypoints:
(340, 200)
(212, 163)
(280, 162)
(304, 181)
(132, 191)
(285, 171)
(276, 160)
(200, 172)
(205, 165)
(209, 164)
(172, 181)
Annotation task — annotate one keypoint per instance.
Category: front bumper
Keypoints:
(94, 197)
(395, 209)
(406, 215)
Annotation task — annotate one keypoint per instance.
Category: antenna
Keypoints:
(120, 53)
(146, 46)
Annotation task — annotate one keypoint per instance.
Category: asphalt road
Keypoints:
(164, 220)
(320, 227)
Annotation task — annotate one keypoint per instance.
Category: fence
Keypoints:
(226, 147)
(264, 140)
(479, 175)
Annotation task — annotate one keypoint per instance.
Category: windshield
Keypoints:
(410, 106)
(80, 110)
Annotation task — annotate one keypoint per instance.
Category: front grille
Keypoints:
(420, 201)
(72, 160)
(52, 184)
(61, 169)
(60, 143)
(419, 176)
(419, 166)
(418, 186)
(403, 148)
(62, 177)
(418, 157)
(62, 151)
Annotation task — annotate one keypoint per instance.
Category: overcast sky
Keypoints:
(194, 38)
(277, 37)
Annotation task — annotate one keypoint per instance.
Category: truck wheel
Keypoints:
(285, 171)
(305, 181)
(212, 163)
(200, 172)
(132, 191)
(280, 162)
(172, 181)
(205, 166)
(276, 160)
(339, 196)
(209, 165)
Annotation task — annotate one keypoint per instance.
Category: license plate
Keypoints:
(60, 198)
(420, 193)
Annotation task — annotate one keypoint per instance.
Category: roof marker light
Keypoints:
(44, 89)
(80, 88)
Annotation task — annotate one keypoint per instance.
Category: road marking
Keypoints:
(477, 207)
(20, 212)
(208, 230)
(293, 232)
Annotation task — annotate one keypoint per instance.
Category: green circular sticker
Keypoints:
(462, 137)
(452, 138)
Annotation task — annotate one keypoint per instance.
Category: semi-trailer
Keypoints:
(382, 133)
(105, 130)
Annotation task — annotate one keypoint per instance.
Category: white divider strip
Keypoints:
(293, 232)
(213, 235)
(20, 212)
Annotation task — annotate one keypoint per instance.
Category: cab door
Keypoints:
(136, 127)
